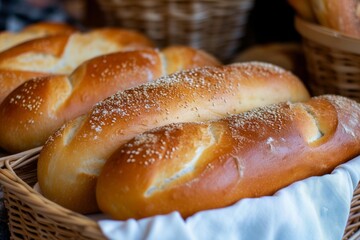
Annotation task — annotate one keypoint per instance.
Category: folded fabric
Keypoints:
(314, 208)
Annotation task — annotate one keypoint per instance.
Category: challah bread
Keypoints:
(40, 106)
(61, 54)
(72, 157)
(9, 39)
(189, 167)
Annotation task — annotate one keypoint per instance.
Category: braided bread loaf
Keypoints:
(189, 167)
(38, 107)
(72, 158)
(63, 53)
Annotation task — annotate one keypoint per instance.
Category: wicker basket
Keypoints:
(31, 216)
(333, 60)
(6, 157)
(217, 26)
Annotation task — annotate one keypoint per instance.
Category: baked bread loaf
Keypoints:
(288, 55)
(34, 110)
(61, 54)
(10, 79)
(189, 167)
(342, 16)
(72, 157)
(9, 39)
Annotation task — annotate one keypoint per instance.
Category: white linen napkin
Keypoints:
(315, 208)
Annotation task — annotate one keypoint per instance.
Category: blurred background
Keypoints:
(233, 31)
(266, 21)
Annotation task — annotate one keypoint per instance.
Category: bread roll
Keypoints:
(9, 39)
(189, 167)
(72, 158)
(342, 16)
(32, 112)
(288, 55)
(61, 54)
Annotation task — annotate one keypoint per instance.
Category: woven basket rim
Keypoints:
(10, 180)
(326, 36)
(17, 156)
(44, 206)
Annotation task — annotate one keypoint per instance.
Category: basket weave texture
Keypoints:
(216, 26)
(333, 60)
(31, 216)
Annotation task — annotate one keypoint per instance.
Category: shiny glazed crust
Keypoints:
(33, 111)
(9, 39)
(343, 16)
(63, 53)
(72, 157)
(189, 167)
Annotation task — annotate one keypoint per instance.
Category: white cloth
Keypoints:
(315, 208)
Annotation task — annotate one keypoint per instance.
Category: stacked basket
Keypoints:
(333, 60)
(213, 25)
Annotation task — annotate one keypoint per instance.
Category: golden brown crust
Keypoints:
(73, 156)
(33, 111)
(194, 58)
(31, 101)
(126, 38)
(49, 28)
(189, 167)
(61, 54)
(339, 15)
(52, 45)
(11, 78)
(38, 30)
(342, 16)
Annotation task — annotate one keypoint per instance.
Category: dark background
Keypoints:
(272, 21)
